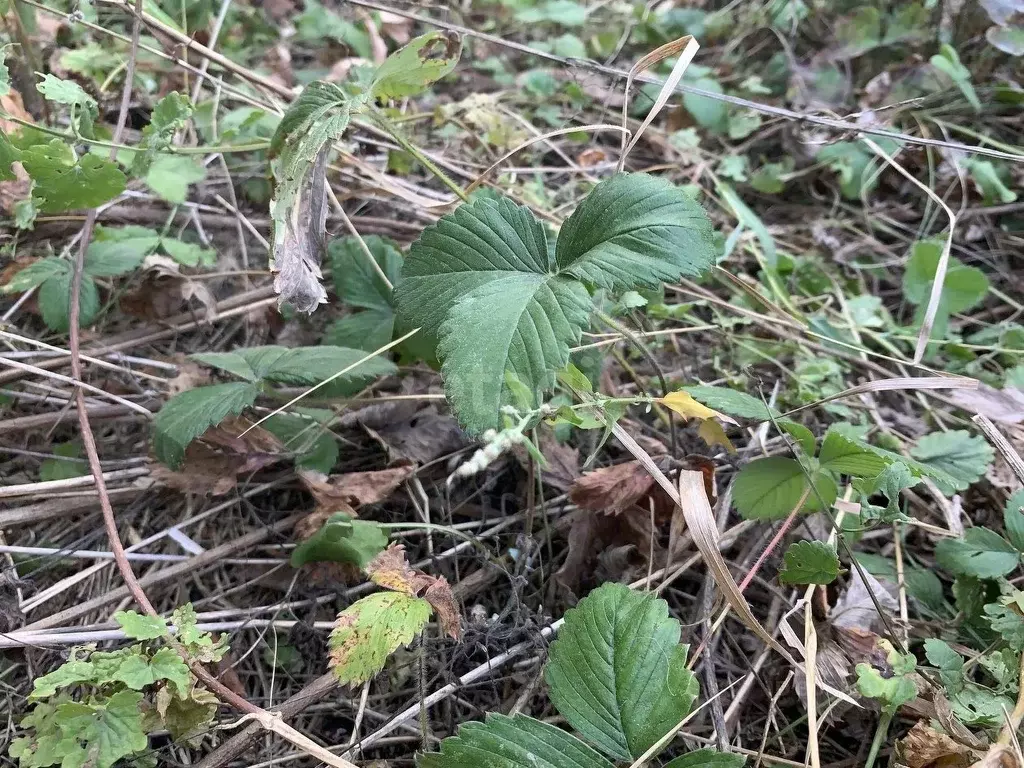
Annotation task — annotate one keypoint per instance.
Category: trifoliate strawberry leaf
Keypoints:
(370, 630)
(618, 673)
(410, 69)
(64, 182)
(981, 553)
(770, 488)
(963, 457)
(301, 365)
(169, 176)
(809, 562)
(708, 758)
(299, 208)
(141, 627)
(187, 415)
(512, 742)
(963, 287)
(481, 282)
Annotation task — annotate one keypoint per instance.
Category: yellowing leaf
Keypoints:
(712, 433)
(368, 631)
(683, 403)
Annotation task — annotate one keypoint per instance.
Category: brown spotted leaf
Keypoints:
(439, 595)
(391, 570)
(616, 489)
(370, 630)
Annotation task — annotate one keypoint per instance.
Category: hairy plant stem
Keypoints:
(876, 743)
(614, 324)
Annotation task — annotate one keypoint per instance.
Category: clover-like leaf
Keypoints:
(618, 673)
(370, 630)
(809, 562)
(483, 287)
(410, 69)
(512, 742)
(187, 415)
(841, 454)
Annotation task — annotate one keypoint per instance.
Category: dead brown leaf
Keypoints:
(338, 493)
(591, 535)
(1002, 405)
(214, 461)
(616, 489)
(408, 431)
(924, 747)
(588, 158)
(164, 289)
(190, 375)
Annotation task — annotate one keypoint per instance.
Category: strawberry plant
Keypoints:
(99, 706)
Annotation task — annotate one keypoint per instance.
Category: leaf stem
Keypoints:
(876, 743)
(382, 120)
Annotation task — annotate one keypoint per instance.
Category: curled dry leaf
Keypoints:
(344, 493)
(214, 462)
(616, 489)
(164, 289)
(924, 747)
(391, 570)
(300, 241)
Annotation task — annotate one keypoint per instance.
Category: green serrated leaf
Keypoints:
(5, 76)
(169, 116)
(114, 251)
(169, 176)
(1007, 623)
(512, 742)
(187, 415)
(482, 286)
(358, 284)
(960, 455)
(635, 230)
(843, 455)
(708, 758)
(890, 481)
(964, 286)
(167, 665)
(980, 553)
(809, 562)
(370, 630)
(618, 673)
(342, 540)
(74, 672)
(369, 330)
(200, 645)
(55, 300)
(141, 627)
(410, 69)
(892, 688)
(8, 154)
(63, 183)
(770, 488)
(301, 365)
(35, 274)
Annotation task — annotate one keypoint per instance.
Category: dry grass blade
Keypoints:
(940, 269)
(700, 520)
(688, 47)
(1006, 450)
(898, 383)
